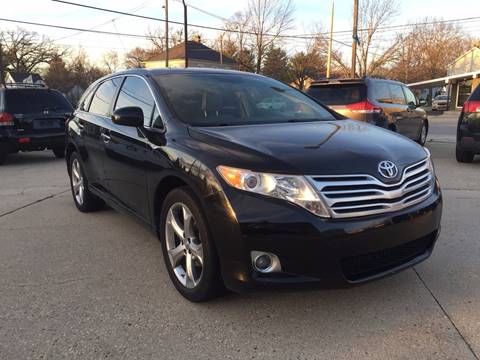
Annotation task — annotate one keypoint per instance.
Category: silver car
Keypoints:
(440, 102)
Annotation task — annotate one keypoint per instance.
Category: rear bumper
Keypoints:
(326, 253)
(468, 141)
(13, 141)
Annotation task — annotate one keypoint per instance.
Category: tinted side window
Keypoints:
(397, 94)
(103, 97)
(381, 92)
(84, 102)
(411, 99)
(135, 92)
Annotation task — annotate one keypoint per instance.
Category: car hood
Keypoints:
(311, 148)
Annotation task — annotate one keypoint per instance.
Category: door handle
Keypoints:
(106, 138)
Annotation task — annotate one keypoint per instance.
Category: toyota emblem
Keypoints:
(387, 169)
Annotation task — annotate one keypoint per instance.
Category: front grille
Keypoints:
(365, 266)
(362, 195)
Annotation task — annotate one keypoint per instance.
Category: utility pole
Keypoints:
(221, 49)
(2, 79)
(185, 29)
(330, 43)
(166, 34)
(355, 38)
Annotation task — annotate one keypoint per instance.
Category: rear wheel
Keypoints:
(84, 200)
(188, 249)
(464, 156)
(59, 151)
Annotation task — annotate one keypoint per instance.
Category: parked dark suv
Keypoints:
(32, 118)
(386, 103)
(468, 130)
(249, 182)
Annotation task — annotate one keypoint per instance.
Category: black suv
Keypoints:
(32, 118)
(249, 182)
(468, 129)
(386, 103)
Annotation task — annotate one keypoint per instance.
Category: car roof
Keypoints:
(364, 80)
(165, 71)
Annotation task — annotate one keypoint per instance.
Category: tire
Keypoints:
(84, 200)
(201, 281)
(3, 156)
(422, 137)
(464, 156)
(59, 152)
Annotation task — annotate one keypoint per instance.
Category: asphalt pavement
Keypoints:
(94, 286)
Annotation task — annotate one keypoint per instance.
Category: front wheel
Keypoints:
(59, 152)
(422, 137)
(84, 200)
(188, 248)
(464, 156)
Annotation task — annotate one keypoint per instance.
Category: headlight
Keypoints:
(429, 161)
(294, 189)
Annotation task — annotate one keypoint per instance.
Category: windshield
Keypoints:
(441, 97)
(339, 94)
(221, 100)
(26, 101)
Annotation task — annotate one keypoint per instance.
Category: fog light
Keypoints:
(265, 262)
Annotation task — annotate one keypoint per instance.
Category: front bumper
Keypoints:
(327, 252)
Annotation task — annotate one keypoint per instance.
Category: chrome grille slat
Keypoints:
(361, 195)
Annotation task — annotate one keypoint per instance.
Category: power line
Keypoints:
(206, 27)
(76, 29)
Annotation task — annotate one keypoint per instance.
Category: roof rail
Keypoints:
(24, 85)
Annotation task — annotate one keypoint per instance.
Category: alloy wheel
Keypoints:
(77, 182)
(184, 246)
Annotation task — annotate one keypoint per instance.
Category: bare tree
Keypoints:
(111, 61)
(158, 41)
(135, 57)
(269, 19)
(374, 14)
(24, 50)
(426, 51)
(340, 67)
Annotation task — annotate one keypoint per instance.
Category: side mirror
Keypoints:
(128, 116)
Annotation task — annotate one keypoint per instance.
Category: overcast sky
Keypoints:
(308, 14)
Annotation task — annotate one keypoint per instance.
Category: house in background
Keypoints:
(24, 78)
(199, 55)
(463, 76)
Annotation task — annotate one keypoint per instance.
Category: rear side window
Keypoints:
(342, 94)
(103, 97)
(26, 101)
(135, 92)
(381, 93)
(85, 100)
(397, 95)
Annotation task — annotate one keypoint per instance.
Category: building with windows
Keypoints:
(463, 76)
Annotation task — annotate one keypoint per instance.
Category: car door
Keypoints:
(416, 115)
(126, 149)
(91, 118)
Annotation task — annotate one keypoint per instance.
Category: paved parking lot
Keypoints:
(94, 286)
